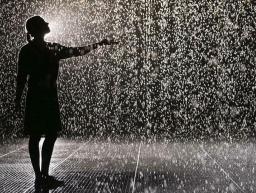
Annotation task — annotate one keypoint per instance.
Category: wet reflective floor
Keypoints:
(138, 167)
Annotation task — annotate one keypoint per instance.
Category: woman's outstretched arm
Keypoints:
(67, 52)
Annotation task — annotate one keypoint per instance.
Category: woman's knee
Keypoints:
(34, 139)
(50, 138)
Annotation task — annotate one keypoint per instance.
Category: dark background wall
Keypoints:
(183, 69)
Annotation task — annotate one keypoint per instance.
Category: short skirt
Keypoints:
(42, 113)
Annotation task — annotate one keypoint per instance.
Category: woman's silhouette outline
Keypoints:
(38, 64)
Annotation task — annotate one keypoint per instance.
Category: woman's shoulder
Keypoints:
(26, 48)
(51, 43)
(53, 46)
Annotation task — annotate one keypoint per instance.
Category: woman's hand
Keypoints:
(107, 42)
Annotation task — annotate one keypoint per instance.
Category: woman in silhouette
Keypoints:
(38, 64)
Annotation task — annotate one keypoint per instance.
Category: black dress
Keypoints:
(40, 64)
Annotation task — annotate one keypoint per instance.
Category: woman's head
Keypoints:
(36, 26)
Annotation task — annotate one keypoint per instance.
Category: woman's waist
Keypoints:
(42, 89)
(42, 83)
(42, 94)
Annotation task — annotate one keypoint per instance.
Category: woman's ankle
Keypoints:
(39, 175)
(45, 175)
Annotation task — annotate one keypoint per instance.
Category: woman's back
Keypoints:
(41, 63)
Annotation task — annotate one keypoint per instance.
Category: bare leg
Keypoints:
(47, 153)
(34, 153)
(48, 182)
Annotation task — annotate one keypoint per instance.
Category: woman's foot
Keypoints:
(38, 183)
(49, 182)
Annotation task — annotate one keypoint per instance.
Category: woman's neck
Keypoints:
(39, 39)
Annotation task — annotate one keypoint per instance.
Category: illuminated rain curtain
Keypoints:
(182, 69)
